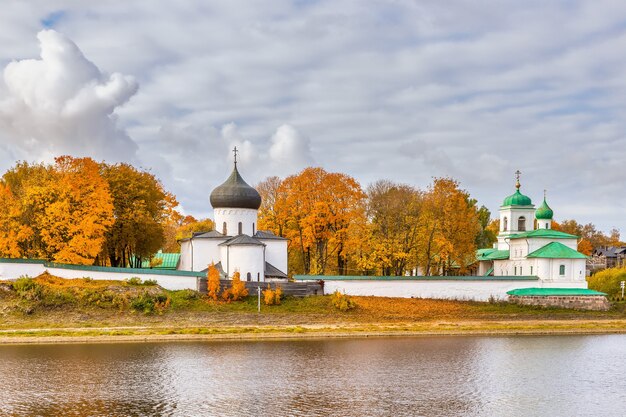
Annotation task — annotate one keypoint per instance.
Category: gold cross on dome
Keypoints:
(517, 175)
(235, 152)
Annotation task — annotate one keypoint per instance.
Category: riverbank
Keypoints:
(62, 311)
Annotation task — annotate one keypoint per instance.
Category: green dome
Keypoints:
(517, 199)
(544, 212)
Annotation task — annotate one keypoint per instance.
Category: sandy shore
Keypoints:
(137, 334)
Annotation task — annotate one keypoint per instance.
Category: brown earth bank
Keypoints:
(48, 309)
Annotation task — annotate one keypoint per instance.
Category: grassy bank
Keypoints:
(53, 309)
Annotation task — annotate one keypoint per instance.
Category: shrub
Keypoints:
(608, 281)
(342, 302)
(150, 282)
(272, 297)
(134, 281)
(28, 289)
(213, 282)
(237, 289)
(149, 304)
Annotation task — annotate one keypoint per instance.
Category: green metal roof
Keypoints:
(414, 278)
(545, 292)
(556, 250)
(169, 261)
(544, 234)
(517, 199)
(544, 212)
(492, 255)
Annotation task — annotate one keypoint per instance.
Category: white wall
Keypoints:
(442, 289)
(232, 217)
(513, 214)
(244, 258)
(276, 253)
(169, 282)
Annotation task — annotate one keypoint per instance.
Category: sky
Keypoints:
(399, 90)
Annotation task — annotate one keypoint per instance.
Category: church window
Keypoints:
(240, 228)
(506, 224)
(253, 230)
(258, 276)
(520, 271)
(561, 269)
(521, 224)
(249, 276)
(531, 270)
(224, 230)
(514, 270)
(547, 225)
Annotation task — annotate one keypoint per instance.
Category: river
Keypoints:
(420, 376)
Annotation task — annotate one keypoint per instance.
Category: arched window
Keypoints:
(240, 228)
(249, 276)
(521, 224)
(253, 230)
(506, 224)
(224, 230)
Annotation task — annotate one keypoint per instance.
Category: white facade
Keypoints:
(235, 221)
(513, 220)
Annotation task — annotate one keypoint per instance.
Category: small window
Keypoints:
(258, 276)
(561, 269)
(521, 224)
(240, 228)
(249, 276)
(253, 229)
(224, 230)
(531, 270)
(547, 226)
(515, 271)
(520, 270)
(506, 224)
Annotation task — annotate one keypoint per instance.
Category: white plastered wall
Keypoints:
(245, 259)
(232, 217)
(276, 253)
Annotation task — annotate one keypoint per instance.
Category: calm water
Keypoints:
(436, 376)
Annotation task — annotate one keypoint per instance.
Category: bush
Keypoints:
(134, 281)
(150, 282)
(237, 289)
(149, 304)
(28, 289)
(608, 281)
(272, 297)
(342, 302)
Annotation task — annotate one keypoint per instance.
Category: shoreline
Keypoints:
(247, 333)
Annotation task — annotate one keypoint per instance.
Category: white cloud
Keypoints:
(62, 103)
(290, 151)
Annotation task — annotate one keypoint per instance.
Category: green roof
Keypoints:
(492, 254)
(556, 250)
(545, 292)
(544, 212)
(169, 261)
(544, 233)
(517, 199)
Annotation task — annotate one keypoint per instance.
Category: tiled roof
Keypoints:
(242, 240)
(266, 234)
(273, 272)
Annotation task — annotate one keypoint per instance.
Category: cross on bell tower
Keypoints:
(235, 153)
(517, 175)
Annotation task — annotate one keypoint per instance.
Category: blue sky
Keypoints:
(401, 90)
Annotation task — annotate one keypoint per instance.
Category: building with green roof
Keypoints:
(527, 245)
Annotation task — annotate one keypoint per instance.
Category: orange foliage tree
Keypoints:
(237, 289)
(213, 282)
(318, 209)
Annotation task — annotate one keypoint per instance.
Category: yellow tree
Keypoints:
(394, 213)
(213, 282)
(13, 234)
(237, 289)
(74, 222)
(270, 217)
(318, 209)
(449, 226)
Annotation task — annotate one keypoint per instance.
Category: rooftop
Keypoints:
(543, 234)
(546, 292)
(556, 250)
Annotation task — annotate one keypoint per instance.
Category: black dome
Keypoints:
(235, 193)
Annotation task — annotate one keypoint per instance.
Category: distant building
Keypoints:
(523, 250)
(608, 257)
(236, 245)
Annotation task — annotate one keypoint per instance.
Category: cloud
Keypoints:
(62, 103)
(290, 151)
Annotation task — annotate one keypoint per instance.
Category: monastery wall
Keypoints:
(454, 288)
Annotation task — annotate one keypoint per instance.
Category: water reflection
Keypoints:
(446, 376)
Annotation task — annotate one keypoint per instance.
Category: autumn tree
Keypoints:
(13, 234)
(487, 236)
(449, 225)
(393, 211)
(141, 208)
(180, 227)
(237, 289)
(318, 209)
(270, 218)
(58, 212)
(213, 282)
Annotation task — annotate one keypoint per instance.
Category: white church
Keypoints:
(528, 246)
(236, 245)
